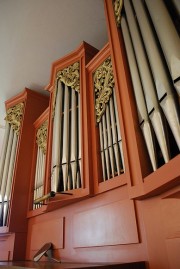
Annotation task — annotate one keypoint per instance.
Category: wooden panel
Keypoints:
(173, 248)
(49, 231)
(170, 208)
(4, 255)
(111, 224)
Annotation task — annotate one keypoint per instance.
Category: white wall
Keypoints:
(34, 33)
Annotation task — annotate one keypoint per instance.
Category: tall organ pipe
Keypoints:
(147, 82)
(139, 96)
(65, 150)
(7, 189)
(57, 139)
(4, 149)
(159, 73)
(168, 37)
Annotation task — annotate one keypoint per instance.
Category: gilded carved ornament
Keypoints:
(14, 116)
(118, 4)
(103, 85)
(70, 76)
(41, 137)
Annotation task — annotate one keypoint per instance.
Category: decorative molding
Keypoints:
(70, 76)
(41, 136)
(103, 85)
(118, 4)
(14, 116)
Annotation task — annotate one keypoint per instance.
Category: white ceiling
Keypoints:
(34, 33)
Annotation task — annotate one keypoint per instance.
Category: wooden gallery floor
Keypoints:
(55, 265)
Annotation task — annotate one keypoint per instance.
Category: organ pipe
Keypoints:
(159, 73)
(147, 82)
(168, 37)
(139, 95)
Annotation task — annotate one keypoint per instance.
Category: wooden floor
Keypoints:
(55, 265)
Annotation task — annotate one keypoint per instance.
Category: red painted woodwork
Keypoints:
(82, 54)
(134, 217)
(43, 117)
(99, 185)
(34, 105)
(141, 181)
(56, 236)
(94, 227)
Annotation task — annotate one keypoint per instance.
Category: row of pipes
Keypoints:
(111, 141)
(7, 163)
(154, 91)
(66, 144)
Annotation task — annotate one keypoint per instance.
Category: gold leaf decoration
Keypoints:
(70, 76)
(14, 116)
(103, 85)
(118, 4)
(41, 136)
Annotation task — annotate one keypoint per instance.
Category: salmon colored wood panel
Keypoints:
(142, 182)
(35, 104)
(4, 255)
(104, 253)
(48, 231)
(19, 250)
(99, 184)
(82, 54)
(173, 249)
(6, 246)
(110, 224)
(170, 206)
(162, 224)
(43, 117)
(135, 154)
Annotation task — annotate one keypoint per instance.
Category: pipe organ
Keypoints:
(8, 157)
(108, 121)
(156, 98)
(66, 144)
(15, 169)
(94, 169)
(41, 140)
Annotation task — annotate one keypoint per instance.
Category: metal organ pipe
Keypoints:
(7, 189)
(73, 155)
(102, 151)
(57, 138)
(147, 82)
(79, 173)
(65, 147)
(160, 76)
(4, 149)
(168, 37)
(5, 174)
(118, 131)
(114, 136)
(110, 148)
(139, 95)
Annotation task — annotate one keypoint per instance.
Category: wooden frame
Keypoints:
(83, 54)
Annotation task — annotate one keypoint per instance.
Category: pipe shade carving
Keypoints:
(103, 85)
(41, 136)
(118, 4)
(70, 77)
(14, 116)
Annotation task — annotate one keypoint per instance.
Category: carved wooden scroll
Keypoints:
(103, 85)
(14, 116)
